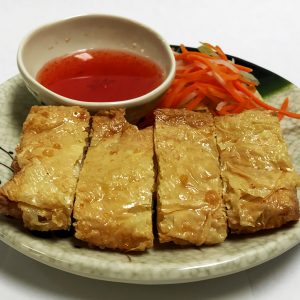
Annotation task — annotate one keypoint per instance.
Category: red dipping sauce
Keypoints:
(101, 75)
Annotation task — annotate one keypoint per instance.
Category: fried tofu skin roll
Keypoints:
(47, 165)
(113, 207)
(190, 208)
(259, 180)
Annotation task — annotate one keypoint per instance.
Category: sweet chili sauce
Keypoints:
(101, 75)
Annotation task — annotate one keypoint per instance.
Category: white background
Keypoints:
(266, 32)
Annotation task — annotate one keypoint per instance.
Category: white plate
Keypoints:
(160, 265)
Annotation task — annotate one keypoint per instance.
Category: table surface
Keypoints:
(265, 32)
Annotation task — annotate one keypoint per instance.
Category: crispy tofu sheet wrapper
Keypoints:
(47, 165)
(113, 207)
(258, 176)
(190, 208)
(203, 164)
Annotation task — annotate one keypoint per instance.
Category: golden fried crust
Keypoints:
(9, 208)
(190, 209)
(176, 117)
(46, 167)
(113, 207)
(259, 180)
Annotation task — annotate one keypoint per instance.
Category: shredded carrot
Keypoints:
(221, 53)
(243, 68)
(283, 107)
(195, 102)
(183, 49)
(212, 79)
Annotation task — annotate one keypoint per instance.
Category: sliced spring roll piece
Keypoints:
(259, 180)
(190, 208)
(113, 207)
(47, 165)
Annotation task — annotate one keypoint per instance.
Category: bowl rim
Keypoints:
(123, 103)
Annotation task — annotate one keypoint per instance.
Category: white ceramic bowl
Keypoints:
(94, 32)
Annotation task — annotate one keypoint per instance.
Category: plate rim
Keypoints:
(287, 237)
